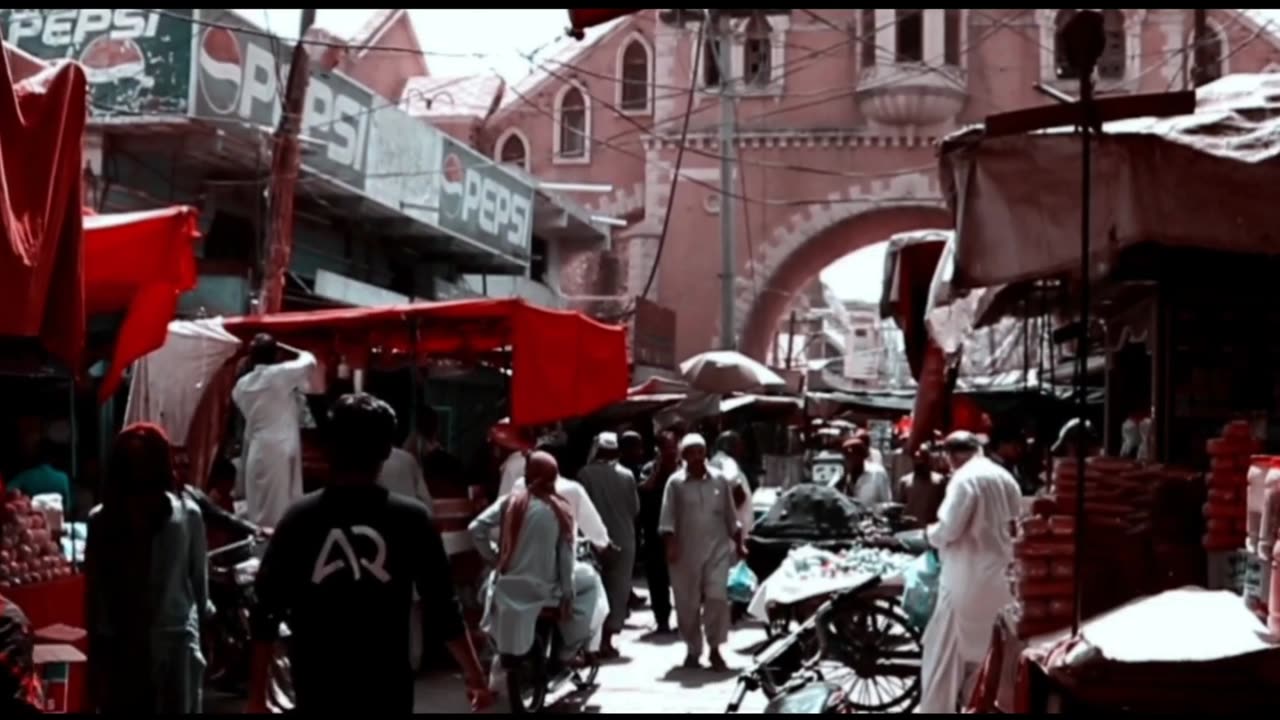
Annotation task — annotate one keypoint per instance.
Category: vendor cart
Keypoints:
(815, 545)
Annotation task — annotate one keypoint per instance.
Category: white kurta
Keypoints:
(272, 443)
(873, 487)
(512, 472)
(975, 545)
(590, 524)
(401, 474)
(732, 472)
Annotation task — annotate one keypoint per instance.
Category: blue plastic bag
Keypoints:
(920, 588)
(742, 584)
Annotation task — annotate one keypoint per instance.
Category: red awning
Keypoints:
(580, 20)
(42, 123)
(563, 364)
(138, 263)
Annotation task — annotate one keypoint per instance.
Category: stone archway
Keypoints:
(762, 312)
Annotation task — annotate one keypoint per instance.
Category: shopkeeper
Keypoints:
(38, 476)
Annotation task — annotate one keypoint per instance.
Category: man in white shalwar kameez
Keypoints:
(700, 527)
(612, 489)
(729, 450)
(268, 398)
(974, 539)
(535, 566)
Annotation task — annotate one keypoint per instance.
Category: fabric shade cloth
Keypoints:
(138, 263)
(727, 371)
(1016, 198)
(42, 122)
(909, 264)
(563, 364)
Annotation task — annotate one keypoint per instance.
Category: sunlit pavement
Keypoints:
(647, 679)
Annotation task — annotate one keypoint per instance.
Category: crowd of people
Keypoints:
(345, 567)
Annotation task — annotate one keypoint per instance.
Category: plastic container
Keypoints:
(1259, 466)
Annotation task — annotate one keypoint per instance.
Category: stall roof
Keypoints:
(1204, 179)
(564, 364)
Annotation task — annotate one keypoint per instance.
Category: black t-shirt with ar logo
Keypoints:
(340, 570)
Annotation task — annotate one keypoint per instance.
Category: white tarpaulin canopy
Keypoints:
(1207, 179)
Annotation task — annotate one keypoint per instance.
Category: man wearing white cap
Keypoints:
(612, 489)
(974, 540)
(701, 530)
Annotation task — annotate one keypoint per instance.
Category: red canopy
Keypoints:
(563, 364)
(138, 263)
(41, 129)
(580, 20)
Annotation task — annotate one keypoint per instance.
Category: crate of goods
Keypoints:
(29, 551)
(1226, 507)
(1043, 572)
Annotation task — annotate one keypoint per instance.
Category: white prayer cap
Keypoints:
(607, 441)
(692, 440)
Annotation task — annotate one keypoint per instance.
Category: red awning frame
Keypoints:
(564, 364)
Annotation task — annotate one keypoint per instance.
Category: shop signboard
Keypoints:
(137, 62)
(653, 335)
(404, 153)
(483, 201)
(240, 77)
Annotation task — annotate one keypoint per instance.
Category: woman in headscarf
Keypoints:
(146, 577)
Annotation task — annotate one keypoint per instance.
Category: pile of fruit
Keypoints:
(808, 562)
(1226, 509)
(29, 551)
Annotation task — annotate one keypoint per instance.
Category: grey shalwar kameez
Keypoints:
(613, 491)
(700, 513)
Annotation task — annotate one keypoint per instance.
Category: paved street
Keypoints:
(646, 680)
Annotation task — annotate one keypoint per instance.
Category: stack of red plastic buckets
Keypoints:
(1225, 512)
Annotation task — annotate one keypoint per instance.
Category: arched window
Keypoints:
(573, 124)
(1061, 61)
(910, 35)
(757, 52)
(867, 49)
(951, 19)
(634, 72)
(513, 151)
(1112, 63)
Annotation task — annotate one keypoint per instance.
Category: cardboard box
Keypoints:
(54, 657)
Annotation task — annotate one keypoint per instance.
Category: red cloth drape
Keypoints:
(563, 364)
(138, 263)
(580, 20)
(42, 122)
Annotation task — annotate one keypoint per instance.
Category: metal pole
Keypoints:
(285, 164)
(791, 339)
(1082, 350)
(728, 329)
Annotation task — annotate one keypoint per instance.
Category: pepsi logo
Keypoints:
(107, 60)
(221, 63)
(454, 173)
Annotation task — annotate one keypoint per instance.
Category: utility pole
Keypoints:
(728, 118)
(1201, 65)
(285, 163)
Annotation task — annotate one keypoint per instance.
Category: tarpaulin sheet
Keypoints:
(42, 123)
(138, 263)
(1206, 179)
(563, 364)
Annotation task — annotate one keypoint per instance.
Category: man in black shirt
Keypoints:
(341, 569)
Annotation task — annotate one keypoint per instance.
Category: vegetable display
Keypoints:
(29, 551)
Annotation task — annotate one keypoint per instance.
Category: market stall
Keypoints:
(1177, 234)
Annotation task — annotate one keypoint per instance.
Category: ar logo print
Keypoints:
(340, 540)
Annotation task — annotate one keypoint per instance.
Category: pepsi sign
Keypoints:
(484, 201)
(240, 76)
(136, 61)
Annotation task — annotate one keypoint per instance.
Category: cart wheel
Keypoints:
(876, 642)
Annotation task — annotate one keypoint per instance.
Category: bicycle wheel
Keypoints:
(527, 682)
(876, 642)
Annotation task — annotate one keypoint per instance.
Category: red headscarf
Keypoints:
(513, 520)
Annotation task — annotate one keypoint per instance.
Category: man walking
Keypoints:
(612, 489)
(974, 540)
(657, 575)
(341, 569)
(700, 526)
